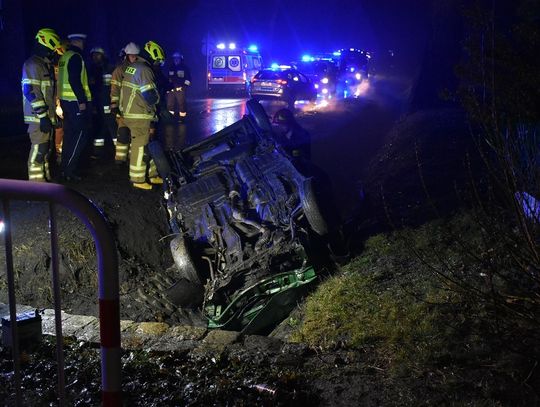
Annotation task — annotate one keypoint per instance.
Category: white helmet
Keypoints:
(132, 49)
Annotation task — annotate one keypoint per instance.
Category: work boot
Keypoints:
(142, 185)
(156, 180)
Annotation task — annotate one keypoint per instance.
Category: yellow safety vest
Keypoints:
(65, 92)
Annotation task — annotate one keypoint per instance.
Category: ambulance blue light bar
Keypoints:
(307, 58)
(253, 48)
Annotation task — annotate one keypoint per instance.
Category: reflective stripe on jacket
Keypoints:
(138, 78)
(38, 89)
(65, 91)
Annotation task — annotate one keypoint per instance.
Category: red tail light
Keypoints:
(282, 81)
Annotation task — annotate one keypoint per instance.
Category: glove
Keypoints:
(115, 111)
(45, 125)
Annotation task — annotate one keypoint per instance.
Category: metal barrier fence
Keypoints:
(109, 306)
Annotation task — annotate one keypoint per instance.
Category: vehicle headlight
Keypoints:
(358, 76)
(324, 80)
(316, 86)
(325, 91)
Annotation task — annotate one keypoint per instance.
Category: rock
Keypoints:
(220, 338)
(215, 343)
(152, 328)
(186, 332)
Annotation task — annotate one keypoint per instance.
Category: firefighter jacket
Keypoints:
(138, 94)
(116, 81)
(72, 78)
(100, 79)
(179, 75)
(38, 89)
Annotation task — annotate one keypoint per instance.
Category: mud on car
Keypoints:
(244, 222)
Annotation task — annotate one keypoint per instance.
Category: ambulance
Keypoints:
(230, 68)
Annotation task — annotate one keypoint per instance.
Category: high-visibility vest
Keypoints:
(65, 92)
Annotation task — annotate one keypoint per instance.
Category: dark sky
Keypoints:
(282, 28)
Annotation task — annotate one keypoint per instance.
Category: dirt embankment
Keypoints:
(138, 223)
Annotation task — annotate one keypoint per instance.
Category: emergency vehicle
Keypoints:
(231, 68)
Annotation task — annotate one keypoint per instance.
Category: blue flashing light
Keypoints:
(253, 48)
(307, 58)
(232, 45)
(220, 46)
(336, 54)
(274, 65)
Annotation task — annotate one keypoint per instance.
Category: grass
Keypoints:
(392, 304)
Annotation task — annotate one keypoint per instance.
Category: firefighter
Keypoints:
(138, 99)
(38, 102)
(74, 95)
(128, 55)
(104, 122)
(179, 79)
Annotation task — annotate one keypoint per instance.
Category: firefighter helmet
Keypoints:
(155, 51)
(97, 50)
(48, 38)
(131, 49)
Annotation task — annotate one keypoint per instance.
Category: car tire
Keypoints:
(312, 208)
(158, 155)
(183, 259)
(259, 115)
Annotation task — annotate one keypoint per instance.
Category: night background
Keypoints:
(423, 228)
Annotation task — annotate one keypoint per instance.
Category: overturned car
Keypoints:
(247, 225)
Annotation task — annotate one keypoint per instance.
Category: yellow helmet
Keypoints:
(48, 38)
(155, 51)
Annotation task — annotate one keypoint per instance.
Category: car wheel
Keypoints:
(312, 208)
(158, 155)
(259, 114)
(183, 260)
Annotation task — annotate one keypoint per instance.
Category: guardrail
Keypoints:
(108, 291)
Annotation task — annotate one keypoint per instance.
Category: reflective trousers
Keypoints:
(140, 164)
(38, 159)
(176, 102)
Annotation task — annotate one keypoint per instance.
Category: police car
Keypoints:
(284, 83)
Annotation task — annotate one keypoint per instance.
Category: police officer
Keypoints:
(180, 79)
(138, 99)
(74, 95)
(103, 121)
(39, 102)
(128, 55)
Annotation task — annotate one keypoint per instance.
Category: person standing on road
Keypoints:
(39, 102)
(179, 79)
(74, 94)
(128, 54)
(104, 122)
(138, 99)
